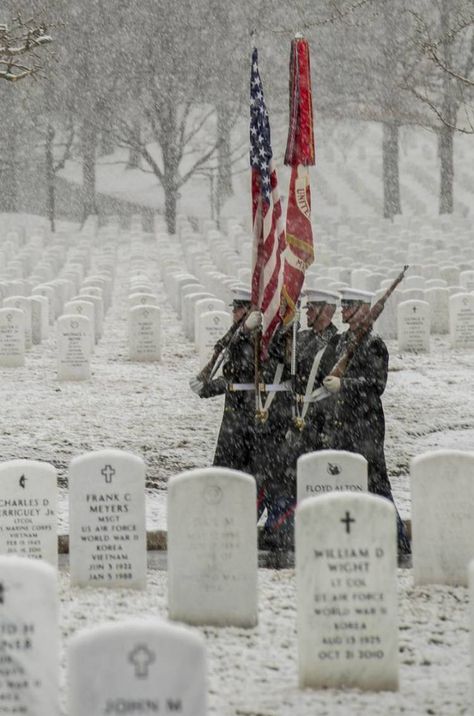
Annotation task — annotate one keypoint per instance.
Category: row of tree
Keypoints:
(168, 81)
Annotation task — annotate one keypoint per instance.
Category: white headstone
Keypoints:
(411, 294)
(12, 337)
(144, 325)
(187, 311)
(212, 555)
(29, 673)
(318, 473)
(359, 278)
(48, 292)
(39, 318)
(471, 620)
(466, 279)
(98, 312)
(461, 320)
(107, 542)
(82, 308)
(140, 299)
(212, 326)
(23, 304)
(28, 499)
(414, 282)
(442, 504)
(137, 667)
(74, 348)
(346, 561)
(205, 305)
(414, 326)
(438, 298)
(386, 324)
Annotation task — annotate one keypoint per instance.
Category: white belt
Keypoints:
(264, 387)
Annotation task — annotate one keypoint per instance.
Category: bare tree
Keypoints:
(19, 46)
(444, 82)
(180, 130)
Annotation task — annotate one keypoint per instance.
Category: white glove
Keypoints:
(196, 385)
(253, 320)
(332, 384)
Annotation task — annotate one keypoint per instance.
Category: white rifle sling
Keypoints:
(276, 381)
(310, 384)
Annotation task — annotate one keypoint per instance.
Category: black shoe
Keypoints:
(404, 560)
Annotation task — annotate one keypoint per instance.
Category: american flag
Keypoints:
(268, 224)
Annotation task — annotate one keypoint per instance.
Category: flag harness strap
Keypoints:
(310, 384)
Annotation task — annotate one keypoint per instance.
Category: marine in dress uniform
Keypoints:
(236, 439)
(358, 423)
(301, 425)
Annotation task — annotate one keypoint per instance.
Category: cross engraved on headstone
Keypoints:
(146, 313)
(414, 309)
(141, 657)
(347, 521)
(80, 309)
(22, 481)
(108, 472)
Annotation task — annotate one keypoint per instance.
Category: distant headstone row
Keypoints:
(436, 296)
(57, 280)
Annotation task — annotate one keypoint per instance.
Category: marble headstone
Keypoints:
(12, 337)
(461, 320)
(28, 501)
(23, 304)
(212, 326)
(346, 562)
(29, 665)
(79, 307)
(442, 504)
(205, 305)
(324, 471)
(414, 326)
(137, 667)
(212, 555)
(74, 347)
(107, 542)
(144, 323)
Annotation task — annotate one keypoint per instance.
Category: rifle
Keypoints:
(360, 332)
(364, 327)
(220, 350)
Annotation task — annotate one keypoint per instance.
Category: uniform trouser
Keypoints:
(236, 440)
(383, 488)
(279, 488)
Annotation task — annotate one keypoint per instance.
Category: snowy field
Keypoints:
(149, 410)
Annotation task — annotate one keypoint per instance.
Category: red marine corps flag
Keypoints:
(268, 224)
(299, 155)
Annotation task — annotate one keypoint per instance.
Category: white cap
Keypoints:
(241, 294)
(355, 294)
(317, 295)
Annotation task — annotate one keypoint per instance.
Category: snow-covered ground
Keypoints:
(149, 410)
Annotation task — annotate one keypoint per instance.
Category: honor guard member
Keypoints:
(304, 422)
(358, 423)
(315, 356)
(235, 443)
